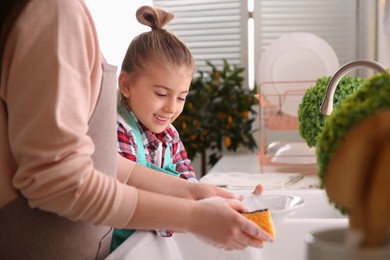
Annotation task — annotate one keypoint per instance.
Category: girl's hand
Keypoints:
(258, 190)
(219, 220)
(199, 190)
(203, 190)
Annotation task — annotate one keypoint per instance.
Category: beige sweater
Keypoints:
(50, 81)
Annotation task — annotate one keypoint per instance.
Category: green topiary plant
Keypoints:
(310, 119)
(217, 114)
(371, 98)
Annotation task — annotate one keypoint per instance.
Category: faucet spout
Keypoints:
(327, 103)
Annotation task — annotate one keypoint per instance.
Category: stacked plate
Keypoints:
(296, 57)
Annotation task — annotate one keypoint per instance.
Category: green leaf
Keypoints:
(218, 113)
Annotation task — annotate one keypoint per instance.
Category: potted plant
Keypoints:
(217, 115)
(353, 152)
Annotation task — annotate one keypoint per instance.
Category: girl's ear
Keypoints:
(124, 84)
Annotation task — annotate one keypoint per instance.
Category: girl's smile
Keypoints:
(161, 119)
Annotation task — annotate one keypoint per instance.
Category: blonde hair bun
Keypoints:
(153, 17)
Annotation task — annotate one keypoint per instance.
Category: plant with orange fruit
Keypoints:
(217, 115)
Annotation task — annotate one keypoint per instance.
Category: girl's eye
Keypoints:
(161, 94)
(181, 99)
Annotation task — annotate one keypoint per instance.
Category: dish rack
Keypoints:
(281, 148)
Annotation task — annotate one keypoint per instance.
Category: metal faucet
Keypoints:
(327, 103)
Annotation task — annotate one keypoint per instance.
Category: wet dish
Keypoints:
(295, 153)
(281, 206)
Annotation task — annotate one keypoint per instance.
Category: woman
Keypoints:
(62, 184)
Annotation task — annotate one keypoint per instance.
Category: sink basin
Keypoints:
(315, 214)
(191, 248)
(289, 243)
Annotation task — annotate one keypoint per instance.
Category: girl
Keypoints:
(154, 82)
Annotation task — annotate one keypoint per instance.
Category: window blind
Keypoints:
(213, 29)
(218, 29)
(334, 21)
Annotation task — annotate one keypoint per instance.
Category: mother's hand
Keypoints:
(219, 222)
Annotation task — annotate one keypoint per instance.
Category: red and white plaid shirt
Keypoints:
(127, 146)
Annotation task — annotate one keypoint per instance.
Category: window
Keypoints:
(346, 25)
(218, 29)
(213, 29)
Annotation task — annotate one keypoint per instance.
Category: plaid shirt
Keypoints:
(127, 146)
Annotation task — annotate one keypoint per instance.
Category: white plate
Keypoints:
(295, 153)
(295, 57)
(281, 206)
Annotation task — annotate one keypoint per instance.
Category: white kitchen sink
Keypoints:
(316, 214)
(289, 243)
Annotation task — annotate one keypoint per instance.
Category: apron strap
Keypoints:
(168, 167)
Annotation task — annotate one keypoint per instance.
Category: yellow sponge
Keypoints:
(262, 218)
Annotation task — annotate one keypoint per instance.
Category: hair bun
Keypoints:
(153, 17)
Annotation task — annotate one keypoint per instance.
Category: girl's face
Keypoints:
(157, 97)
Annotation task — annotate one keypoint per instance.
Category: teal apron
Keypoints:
(120, 235)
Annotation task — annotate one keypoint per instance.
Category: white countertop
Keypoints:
(247, 162)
